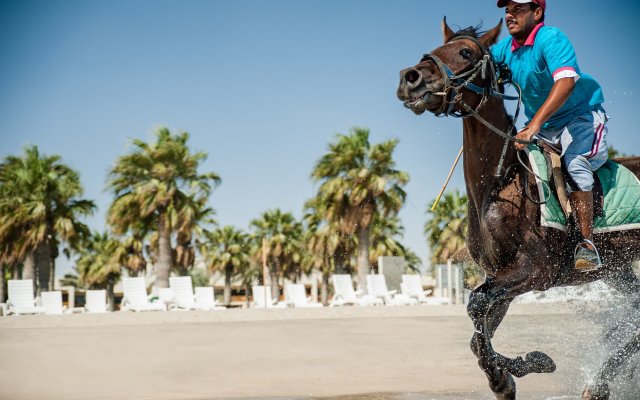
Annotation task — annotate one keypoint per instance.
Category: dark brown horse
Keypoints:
(504, 233)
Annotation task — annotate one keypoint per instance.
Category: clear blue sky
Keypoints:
(263, 86)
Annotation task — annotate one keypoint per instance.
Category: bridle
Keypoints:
(454, 84)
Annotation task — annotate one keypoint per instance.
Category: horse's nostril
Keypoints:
(412, 76)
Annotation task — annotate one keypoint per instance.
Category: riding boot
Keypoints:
(586, 257)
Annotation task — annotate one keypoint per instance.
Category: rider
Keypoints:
(563, 106)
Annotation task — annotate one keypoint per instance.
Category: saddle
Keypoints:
(561, 186)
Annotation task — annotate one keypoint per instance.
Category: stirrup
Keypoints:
(588, 259)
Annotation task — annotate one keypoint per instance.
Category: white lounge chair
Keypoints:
(136, 298)
(182, 287)
(20, 299)
(205, 299)
(95, 301)
(296, 296)
(52, 303)
(412, 286)
(344, 294)
(262, 297)
(167, 297)
(377, 286)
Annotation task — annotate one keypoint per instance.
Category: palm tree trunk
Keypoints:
(43, 267)
(164, 252)
(2, 283)
(247, 293)
(275, 289)
(52, 273)
(324, 288)
(29, 267)
(363, 258)
(111, 298)
(228, 270)
(16, 271)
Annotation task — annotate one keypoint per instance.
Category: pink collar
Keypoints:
(529, 42)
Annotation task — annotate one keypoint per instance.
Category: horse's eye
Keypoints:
(465, 53)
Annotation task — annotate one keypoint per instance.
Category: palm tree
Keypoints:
(283, 236)
(39, 208)
(323, 241)
(385, 235)
(359, 180)
(447, 229)
(188, 220)
(151, 184)
(226, 249)
(99, 264)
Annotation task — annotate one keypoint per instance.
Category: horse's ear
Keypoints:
(491, 36)
(447, 33)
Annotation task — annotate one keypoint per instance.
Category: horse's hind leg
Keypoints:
(629, 284)
(599, 390)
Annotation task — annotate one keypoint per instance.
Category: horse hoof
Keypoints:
(505, 389)
(596, 392)
(540, 362)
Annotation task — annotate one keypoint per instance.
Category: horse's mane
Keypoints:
(473, 31)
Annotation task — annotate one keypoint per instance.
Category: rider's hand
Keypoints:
(526, 133)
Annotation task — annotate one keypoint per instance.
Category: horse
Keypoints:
(505, 237)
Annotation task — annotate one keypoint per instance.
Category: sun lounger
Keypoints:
(262, 298)
(136, 298)
(205, 299)
(344, 294)
(412, 287)
(182, 287)
(377, 286)
(296, 296)
(167, 297)
(95, 301)
(21, 300)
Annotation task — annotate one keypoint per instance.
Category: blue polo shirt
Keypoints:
(548, 53)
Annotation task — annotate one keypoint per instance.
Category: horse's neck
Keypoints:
(482, 152)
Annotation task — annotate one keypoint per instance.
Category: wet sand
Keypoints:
(413, 353)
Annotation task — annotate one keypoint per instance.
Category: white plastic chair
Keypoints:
(296, 296)
(20, 298)
(344, 294)
(136, 298)
(182, 287)
(95, 301)
(205, 299)
(412, 286)
(262, 297)
(166, 296)
(377, 286)
(52, 303)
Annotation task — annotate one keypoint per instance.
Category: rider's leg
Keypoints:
(585, 153)
(586, 255)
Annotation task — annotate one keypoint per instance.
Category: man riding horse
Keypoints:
(564, 107)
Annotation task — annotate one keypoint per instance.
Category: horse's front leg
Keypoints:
(486, 319)
(487, 307)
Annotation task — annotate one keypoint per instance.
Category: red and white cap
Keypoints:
(541, 3)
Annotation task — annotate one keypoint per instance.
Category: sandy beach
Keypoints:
(418, 352)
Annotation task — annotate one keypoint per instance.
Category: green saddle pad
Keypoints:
(621, 190)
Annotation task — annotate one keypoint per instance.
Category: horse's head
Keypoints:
(438, 82)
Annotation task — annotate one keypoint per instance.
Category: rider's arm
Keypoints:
(560, 92)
